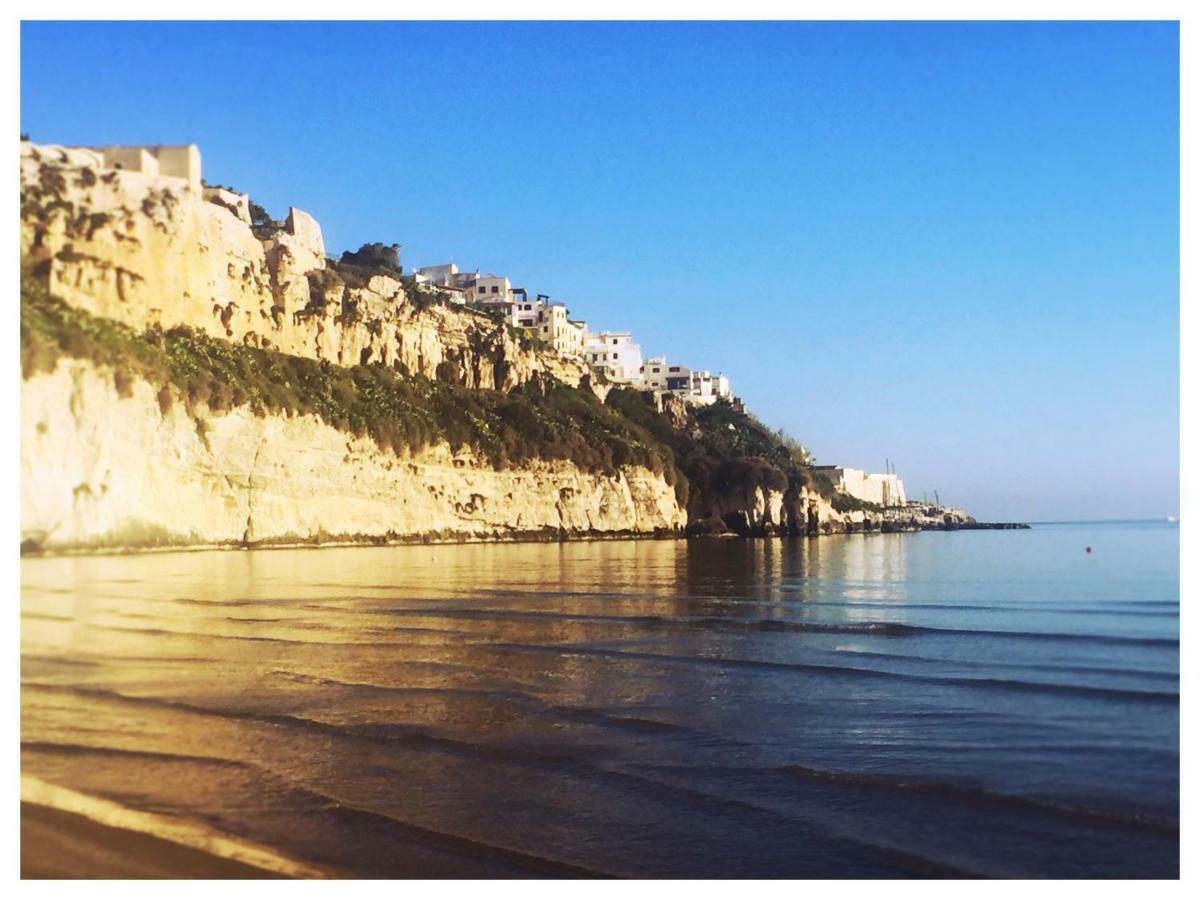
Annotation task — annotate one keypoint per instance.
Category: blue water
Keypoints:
(994, 703)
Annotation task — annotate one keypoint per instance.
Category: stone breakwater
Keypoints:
(102, 471)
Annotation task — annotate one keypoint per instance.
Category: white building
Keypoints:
(611, 353)
(479, 288)
(556, 329)
(525, 313)
(550, 323)
(699, 387)
(879, 488)
(707, 388)
(652, 374)
(457, 294)
(614, 354)
(442, 276)
(489, 291)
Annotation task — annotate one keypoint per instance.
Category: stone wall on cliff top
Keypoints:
(148, 250)
(166, 478)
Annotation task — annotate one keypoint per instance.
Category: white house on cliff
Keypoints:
(884, 489)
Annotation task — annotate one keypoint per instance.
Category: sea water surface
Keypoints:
(994, 703)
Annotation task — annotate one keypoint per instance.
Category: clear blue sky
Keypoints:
(952, 245)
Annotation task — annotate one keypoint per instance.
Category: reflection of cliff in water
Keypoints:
(868, 567)
(854, 567)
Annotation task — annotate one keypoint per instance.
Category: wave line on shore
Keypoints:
(168, 828)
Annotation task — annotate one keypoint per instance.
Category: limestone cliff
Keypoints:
(141, 436)
(760, 510)
(149, 250)
(99, 470)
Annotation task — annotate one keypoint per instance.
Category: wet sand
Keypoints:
(57, 844)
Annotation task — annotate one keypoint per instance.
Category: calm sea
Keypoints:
(939, 704)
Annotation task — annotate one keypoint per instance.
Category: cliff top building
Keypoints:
(442, 276)
(615, 354)
(173, 161)
(882, 489)
(696, 386)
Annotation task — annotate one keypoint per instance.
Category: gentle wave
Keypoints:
(820, 668)
(980, 796)
(1157, 608)
(531, 757)
(258, 638)
(373, 820)
(887, 629)
(184, 832)
(1065, 668)
(203, 837)
(903, 629)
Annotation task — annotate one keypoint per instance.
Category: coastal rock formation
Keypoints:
(209, 461)
(165, 478)
(151, 250)
(749, 510)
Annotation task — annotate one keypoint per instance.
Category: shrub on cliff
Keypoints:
(377, 257)
(543, 419)
(845, 503)
(748, 473)
(261, 222)
(719, 448)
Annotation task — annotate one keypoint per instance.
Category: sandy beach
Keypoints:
(57, 844)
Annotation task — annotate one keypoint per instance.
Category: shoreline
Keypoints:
(56, 844)
(516, 538)
(67, 834)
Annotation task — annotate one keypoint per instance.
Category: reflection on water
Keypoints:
(858, 705)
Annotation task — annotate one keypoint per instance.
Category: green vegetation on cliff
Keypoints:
(719, 448)
(703, 452)
(846, 503)
(541, 419)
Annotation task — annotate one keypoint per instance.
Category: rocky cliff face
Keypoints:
(149, 250)
(758, 510)
(102, 470)
(103, 467)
